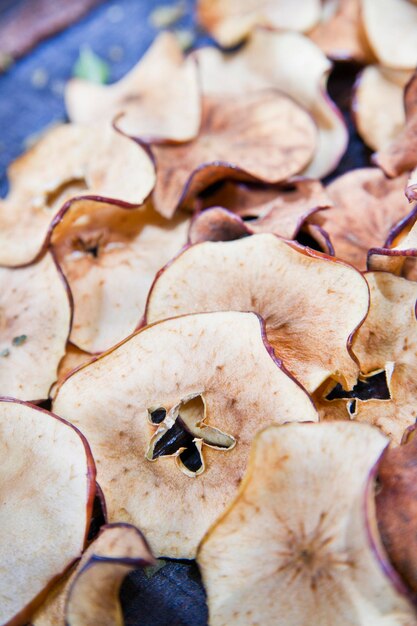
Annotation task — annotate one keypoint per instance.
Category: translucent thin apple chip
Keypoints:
(170, 428)
(47, 487)
(390, 28)
(90, 597)
(69, 161)
(35, 320)
(231, 21)
(379, 105)
(311, 303)
(299, 545)
(159, 97)
(401, 154)
(388, 339)
(366, 207)
(110, 256)
(340, 33)
(294, 65)
(263, 135)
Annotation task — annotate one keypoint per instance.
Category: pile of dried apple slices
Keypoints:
(221, 390)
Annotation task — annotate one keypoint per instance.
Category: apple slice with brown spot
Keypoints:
(69, 161)
(47, 488)
(178, 405)
(158, 98)
(299, 545)
(310, 328)
(35, 321)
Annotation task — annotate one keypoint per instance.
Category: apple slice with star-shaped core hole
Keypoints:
(171, 427)
(299, 545)
(69, 161)
(311, 303)
(158, 98)
(366, 205)
(90, 596)
(35, 321)
(231, 21)
(110, 256)
(294, 65)
(47, 489)
(263, 136)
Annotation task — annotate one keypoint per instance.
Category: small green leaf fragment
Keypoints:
(167, 15)
(5, 352)
(152, 569)
(91, 67)
(20, 340)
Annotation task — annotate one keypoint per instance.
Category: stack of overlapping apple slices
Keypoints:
(246, 339)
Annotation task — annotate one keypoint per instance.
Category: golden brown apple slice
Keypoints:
(231, 21)
(390, 27)
(110, 256)
(263, 135)
(294, 65)
(35, 321)
(159, 97)
(309, 327)
(366, 205)
(47, 488)
(208, 383)
(90, 596)
(291, 551)
(379, 125)
(69, 161)
(388, 339)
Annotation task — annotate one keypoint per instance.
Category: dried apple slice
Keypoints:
(217, 224)
(289, 551)
(294, 65)
(263, 135)
(390, 27)
(159, 97)
(170, 430)
(308, 327)
(47, 492)
(366, 206)
(379, 124)
(411, 190)
(91, 595)
(399, 254)
(69, 161)
(231, 21)
(110, 256)
(35, 320)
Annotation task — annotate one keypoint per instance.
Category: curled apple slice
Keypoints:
(294, 65)
(91, 595)
(110, 256)
(231, 21)
(47, 479)
(379, 125)
(399, 254)
(411, 190)
(170, 430)
(35, 320)
(288, 551)
(159, 97)
(309, 328)
(366, 205)
(264, 136)
(390, 27)
(69, 161)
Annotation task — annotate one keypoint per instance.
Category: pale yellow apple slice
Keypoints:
(35, 321)
(231, 21)
(263, 135)
(294, 65)
(110, 256)
(390, 27)
(158, 98)
(299, 545)
(208, 383)
(47, 488)
(69, 161)
(311, 303)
